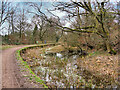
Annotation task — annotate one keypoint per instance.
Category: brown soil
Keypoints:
(11, 76)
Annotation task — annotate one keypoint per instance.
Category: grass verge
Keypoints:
(37, 79)
(3, 47)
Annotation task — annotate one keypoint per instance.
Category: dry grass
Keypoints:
(102, 69)
(99, 69)
(57, 48)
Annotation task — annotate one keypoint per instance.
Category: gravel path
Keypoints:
(9, 69)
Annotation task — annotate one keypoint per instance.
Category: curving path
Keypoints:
(9, 68)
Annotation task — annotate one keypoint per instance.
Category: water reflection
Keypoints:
(59, 70)
(59, 55)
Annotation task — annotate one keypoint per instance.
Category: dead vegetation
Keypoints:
(101, 69)
(98, 70)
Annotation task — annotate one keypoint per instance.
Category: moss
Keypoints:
(113, 52)
(37, 79)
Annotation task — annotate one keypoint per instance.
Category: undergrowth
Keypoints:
(24, 63)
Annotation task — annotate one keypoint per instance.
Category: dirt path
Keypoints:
(9, 68)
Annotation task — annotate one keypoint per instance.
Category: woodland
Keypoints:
(87, 34)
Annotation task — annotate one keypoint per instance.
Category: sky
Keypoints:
(52, 0)
(47, 4)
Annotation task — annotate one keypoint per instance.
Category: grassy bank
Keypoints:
(3, 47)
(24, 64)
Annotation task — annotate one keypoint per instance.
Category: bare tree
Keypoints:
(4, 11)
(20, 23)
(97, 11)
(11, 18)
(41, 23)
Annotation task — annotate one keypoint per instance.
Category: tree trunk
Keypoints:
(107, 44)
(12, 24)
(41, 39)
(20, 34)
(109, 47)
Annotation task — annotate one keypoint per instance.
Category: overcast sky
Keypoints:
(47, 4)
(53, 0)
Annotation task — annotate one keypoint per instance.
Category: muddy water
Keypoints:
(62, 70)
(59, 70)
